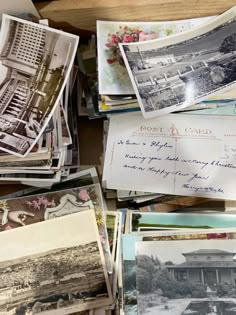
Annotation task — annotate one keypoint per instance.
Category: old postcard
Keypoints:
(186, 277)
(45, 206)
(34, 71)
(20, 8)
(64, 273)
(112, 74)
(172, 73)
(175, 154)
(147, 222)
(129, 264)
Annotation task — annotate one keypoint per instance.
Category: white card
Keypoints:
(175, 154)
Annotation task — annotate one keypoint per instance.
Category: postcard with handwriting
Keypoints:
(187, 155)
(169, 74)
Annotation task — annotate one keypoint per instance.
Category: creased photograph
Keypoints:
(35, 63)
(173, 73)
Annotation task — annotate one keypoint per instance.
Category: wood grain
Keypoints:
(83, 14)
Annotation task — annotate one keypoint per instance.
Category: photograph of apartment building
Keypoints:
(35, 62)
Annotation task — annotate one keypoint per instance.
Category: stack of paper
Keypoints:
(177, 263)
(37, 75)
(62, 249)
(115, 88)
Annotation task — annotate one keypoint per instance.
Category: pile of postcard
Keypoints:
(38, 137)
(176, 152)
(62, 249)
(116, 91)
(177, 264)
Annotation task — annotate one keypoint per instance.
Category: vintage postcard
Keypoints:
(34, 71)
(20, 8)
(64, 273)
(45, 206)
(173, 73)
(146, 222)
(129, 264)
(186, 277)
(176, 154)
(112, 229)
(112, 74)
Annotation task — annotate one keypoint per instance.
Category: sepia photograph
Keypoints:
(35, 62)
(53, 272)
(172, 73)
(186, 277)
(27, 210)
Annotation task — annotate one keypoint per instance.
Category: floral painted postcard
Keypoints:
(46, 206)
(113, 77)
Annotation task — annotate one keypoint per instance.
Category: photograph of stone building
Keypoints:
(186, 277)
(169, 75)
(35, 62)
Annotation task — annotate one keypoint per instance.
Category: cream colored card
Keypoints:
(174, 154)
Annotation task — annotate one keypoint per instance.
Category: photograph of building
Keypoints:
(206, 266)
(35, 62)
(181, 74)
(186, 277)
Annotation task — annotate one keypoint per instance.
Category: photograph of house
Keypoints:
(207, 266)
(35, 62)
(186, 277)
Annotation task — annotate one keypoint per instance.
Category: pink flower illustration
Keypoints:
(128, 38)
(124, 34)
(83, 195)
(40, 201)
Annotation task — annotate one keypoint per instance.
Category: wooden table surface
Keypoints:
(84, 13)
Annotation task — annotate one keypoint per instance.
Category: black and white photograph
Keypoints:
(186, 277)
(35, 63)
(173, 73)
(43, 271)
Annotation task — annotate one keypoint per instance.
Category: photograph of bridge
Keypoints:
(35, 62)
(168, 77)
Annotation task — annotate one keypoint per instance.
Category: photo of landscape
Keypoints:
(65, 272)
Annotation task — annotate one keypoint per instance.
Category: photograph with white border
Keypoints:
(172, 73)
(46, 272)
(186, 277)
(35, 63)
